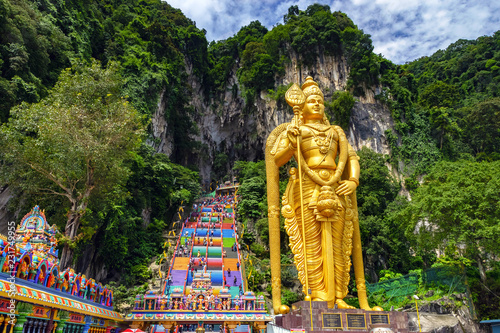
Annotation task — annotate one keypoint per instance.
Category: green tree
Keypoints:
(439, 94)
(220, 165)
(73, 143)
(377, 186)
(248, 170)
(253, 192)
(443, 122)
(341, 107)
(33, 51)
(456, 210)
(293, 11)
(382, 231)
(257, 67)
(482, 128)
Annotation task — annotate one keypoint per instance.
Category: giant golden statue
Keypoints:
(319, 204)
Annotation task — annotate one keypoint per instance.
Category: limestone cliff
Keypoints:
(225, 127)
(445, 315)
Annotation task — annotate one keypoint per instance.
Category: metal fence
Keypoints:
(447, 279)
(394, 290)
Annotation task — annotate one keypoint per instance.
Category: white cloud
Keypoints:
(401, 30)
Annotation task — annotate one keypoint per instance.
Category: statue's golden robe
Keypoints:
(319, 205)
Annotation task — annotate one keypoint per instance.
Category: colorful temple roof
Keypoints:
(30, 269)
(32, 295)
(36, 224)
(199, 316)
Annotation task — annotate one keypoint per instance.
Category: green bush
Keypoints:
(259, 250)
(262, 227)
(340, 108)
(288, 297)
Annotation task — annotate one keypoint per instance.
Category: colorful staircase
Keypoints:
(211, 245)
(204, 284)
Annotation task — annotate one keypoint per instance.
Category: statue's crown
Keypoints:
(311, 88)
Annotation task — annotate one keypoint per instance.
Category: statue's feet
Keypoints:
(284, 309)
(341, 304)
(375, 308)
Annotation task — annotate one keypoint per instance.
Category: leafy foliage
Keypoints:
(130, 229)
(450, 85)
(481, 127)
(465, 64)
(150, 39)
(439, 94)
(73, 143)
(252, 190)
(288, 297)
(456, 209)
(377, 186)
(385, 246)
(33, 50)
(444, 107)
(485, 294)
(340, 107)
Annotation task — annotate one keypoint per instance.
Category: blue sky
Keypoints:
(400, 30)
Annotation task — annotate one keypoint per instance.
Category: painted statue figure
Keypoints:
(23, 270)
(41, 276)
(51, 280)
(319, 204)
(32, 272)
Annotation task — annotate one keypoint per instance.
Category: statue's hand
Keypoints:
(292, 132)
(346, 187)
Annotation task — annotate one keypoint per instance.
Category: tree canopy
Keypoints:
(72, 143)
(456, 210)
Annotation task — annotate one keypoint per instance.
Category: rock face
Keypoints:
(443, 316)
(368, 124)
(159, 127)
(5, 217)
(227, 125)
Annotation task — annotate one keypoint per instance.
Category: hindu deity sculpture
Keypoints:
(163, 303)
(83, 283)
(41, 276)
(23, 270)
(92, 290)
(319, 203)
(51, 280)
(62, 282)
(32, 271)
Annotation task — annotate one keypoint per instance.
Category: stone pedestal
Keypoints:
(352, 320)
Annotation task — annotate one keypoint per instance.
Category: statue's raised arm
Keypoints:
(319, 204)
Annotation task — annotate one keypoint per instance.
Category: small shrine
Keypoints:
(54, 295)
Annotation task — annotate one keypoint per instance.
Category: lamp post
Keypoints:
(418, 316)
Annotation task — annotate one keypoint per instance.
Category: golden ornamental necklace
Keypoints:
(323, 143)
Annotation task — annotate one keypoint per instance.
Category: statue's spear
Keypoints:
(295, 98)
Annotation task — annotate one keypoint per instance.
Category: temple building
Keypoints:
(38, 296)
